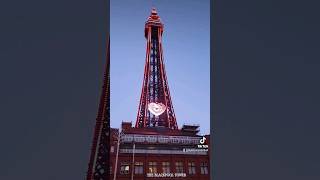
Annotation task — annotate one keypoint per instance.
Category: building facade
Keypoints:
(156, 153)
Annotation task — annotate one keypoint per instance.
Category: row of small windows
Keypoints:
(152, 168)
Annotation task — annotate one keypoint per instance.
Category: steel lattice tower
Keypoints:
(155, 107)
(98, 168)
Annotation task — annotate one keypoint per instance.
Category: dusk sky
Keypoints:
(186, 43)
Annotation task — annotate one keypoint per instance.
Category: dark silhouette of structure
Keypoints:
(98, 168)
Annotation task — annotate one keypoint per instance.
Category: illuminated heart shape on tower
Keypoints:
(156, 108)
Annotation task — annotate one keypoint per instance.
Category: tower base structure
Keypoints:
(159, 153)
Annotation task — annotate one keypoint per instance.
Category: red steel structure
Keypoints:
(98, 167)
(155, 107)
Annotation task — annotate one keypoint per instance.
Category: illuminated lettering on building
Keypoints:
(160, 139)
(160, 175)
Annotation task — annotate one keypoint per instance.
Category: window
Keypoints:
(204, 168)
(152, 167)
(124, 168)
(110, 169)
(191, 168)
(179, 167)
(166, 167)
(112, 149)
(138, 167)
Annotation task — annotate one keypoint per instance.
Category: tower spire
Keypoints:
(154, 11)
(155, 107)
(98, 167)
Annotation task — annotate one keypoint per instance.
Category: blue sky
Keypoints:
(186, 44)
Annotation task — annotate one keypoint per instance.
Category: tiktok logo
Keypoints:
(203, 140)
(203, 143)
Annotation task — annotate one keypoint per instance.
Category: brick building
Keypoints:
(158, 152)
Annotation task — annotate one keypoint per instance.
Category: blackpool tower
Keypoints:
(155, 107)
